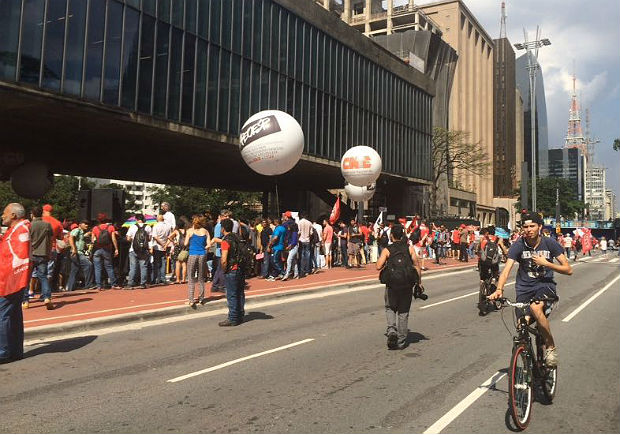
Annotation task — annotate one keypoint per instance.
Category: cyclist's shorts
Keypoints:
(540, 292)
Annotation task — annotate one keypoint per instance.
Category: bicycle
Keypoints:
(487, 288)
(527, 367)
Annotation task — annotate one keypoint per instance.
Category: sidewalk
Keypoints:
(83, 309)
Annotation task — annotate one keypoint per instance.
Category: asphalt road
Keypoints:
(337, 376)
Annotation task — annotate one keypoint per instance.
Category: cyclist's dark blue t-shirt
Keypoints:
(530, 276)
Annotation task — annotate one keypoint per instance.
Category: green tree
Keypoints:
(63, 196)
(452, 150)
(546, 195)
(616, 144)
(193, 200)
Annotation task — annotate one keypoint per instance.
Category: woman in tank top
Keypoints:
(178, 239)
(197, 239)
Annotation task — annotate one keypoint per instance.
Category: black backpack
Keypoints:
(140, 242)
(490, 254)
(240, 253)
(104, 239)
(399, 272)
(415, 236)
(383, 238)
(314, 237)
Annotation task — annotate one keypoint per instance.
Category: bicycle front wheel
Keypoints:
(520, 387)
(482, 299)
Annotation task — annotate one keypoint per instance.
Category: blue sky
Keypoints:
(583, 33)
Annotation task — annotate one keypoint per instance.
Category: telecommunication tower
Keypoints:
(574, 135)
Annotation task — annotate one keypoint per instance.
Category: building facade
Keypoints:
(471, 104)
(141, 192)
(610, 205)
(595, 192)
(567, 163)
(541, 129)
(200, 68)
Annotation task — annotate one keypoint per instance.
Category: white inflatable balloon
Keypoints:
(360, 165)
(271, 142)
(360, 193)
(31, 180)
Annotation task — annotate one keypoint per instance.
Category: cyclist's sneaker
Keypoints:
(551, 357)
(392, 340)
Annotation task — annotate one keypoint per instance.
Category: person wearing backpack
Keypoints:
(490, 249)
(233, 276)
(400, 272)
(106, 245)
(138, 236)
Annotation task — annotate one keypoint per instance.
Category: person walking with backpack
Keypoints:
(138, 235)
(197, 240)
(400, 272)
(490, 251)
(233, 276)
(106, 245)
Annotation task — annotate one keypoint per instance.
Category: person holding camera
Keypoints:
(400, 272)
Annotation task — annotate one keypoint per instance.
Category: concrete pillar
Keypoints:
(346, 15)
(326, 4)
(368, 14)
(410, 4)
(390, 10)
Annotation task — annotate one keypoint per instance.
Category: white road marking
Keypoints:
(590, 300)
(596, 260)
(238, 360)
(614, 260)
(457, 298)
(451, 415)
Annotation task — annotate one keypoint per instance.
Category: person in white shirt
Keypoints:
(161, 232)
(138, 251)
(602, 244)
(316, 260)
(567, 244)
(169, 218)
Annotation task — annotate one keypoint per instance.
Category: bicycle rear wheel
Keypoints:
(520, 387)
(482, 299)
(549, 382)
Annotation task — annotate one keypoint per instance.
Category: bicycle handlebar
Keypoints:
(508, 302)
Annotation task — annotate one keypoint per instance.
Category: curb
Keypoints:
(84, 325)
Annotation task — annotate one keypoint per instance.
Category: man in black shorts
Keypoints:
(535, 255)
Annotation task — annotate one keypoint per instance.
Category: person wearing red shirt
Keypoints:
(104, 247)
(15, 268)
(52, 270)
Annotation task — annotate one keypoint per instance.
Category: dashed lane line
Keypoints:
(237, 361)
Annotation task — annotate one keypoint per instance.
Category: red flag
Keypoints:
(15, 258)
(335, 212)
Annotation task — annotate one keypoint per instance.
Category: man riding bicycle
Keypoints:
(535, 255)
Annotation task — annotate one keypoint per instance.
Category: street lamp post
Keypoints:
(532, 67)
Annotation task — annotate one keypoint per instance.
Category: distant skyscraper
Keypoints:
(568, 164)
(542, 133)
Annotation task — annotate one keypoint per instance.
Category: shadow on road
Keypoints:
(256, 315)
(415, 337)
(61, 346)
(60, 304)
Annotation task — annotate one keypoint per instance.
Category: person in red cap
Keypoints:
(52, 270)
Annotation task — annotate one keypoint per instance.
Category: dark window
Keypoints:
(214, 65)
(215, 19)
(299, 101)
(203, 18)
(74, 54)
(245, 90)
(283, 40)
(266, 35)
(190, 16)
(148, 6)
(174, 80)
(275, 37)
(187, 106)
(281, 92)
(257, 31)
(255, 104)
(163, 10)
(161, 69)
(222, 113)
(201, 83)
(306, 53)
(130, 58)
(54, 42)
(299, 50)
(273, 90)
(264, 89)
(235, 85)
(10, 11)
(237, 26)
(178, 7)
(112, 67)
(134, 3)
(290, 96)
(94, 50)
(226, 21)
(246, 28)
(32, 28)
(145, 81)
(311, 139)
(290, 47)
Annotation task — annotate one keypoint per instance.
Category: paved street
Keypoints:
(336, 375)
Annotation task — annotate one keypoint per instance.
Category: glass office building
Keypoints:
(211, 64)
